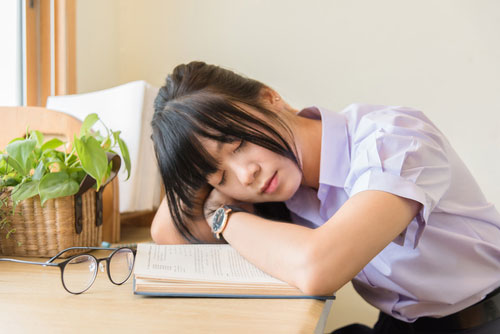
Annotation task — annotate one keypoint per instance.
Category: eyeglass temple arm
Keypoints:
(29, 262)
(72, 248)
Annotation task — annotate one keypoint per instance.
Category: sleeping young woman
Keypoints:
(373, 194)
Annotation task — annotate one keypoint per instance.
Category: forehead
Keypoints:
(215, 149)
(211, 146)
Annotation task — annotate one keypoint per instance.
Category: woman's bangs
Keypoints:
(184, 161)
(241, 124)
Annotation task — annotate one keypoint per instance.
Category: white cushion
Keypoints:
(128, 108)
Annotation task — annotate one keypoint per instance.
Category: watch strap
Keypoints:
(234, 208)
(228, 209)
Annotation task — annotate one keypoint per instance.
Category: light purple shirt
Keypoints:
(449, 256)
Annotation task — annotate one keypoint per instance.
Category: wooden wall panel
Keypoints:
(39, 43)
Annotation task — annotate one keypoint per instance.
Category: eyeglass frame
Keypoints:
(63, 264)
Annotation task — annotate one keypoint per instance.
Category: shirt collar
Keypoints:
(335, 156)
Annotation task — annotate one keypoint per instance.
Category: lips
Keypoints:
(271, 184)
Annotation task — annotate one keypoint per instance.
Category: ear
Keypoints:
(270, 96)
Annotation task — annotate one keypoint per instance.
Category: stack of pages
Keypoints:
(204, 270)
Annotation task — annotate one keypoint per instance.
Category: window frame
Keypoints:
(50, 49)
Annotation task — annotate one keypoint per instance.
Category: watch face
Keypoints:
(218, 219)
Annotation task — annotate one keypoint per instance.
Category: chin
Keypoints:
(288, 191)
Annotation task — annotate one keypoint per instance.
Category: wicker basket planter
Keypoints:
(61, 223)
(53, 185)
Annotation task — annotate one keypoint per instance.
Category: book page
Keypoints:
(205, 262)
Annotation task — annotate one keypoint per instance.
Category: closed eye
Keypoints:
(240, 145)
(223, 179)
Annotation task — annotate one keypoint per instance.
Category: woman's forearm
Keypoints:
(320, 261)
(163, 230)
(280, 249)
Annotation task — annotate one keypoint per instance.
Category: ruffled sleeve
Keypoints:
(398, 150)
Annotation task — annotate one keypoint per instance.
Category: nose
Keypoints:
(247, 173)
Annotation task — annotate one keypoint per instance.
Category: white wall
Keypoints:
(97, 45)
(440, 56)
(10, 56)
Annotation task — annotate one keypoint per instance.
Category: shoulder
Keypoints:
(383, 123)
(394, 137)
(385, 114)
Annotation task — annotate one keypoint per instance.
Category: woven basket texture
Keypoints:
(44, 231)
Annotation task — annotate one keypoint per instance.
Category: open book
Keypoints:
(204, 271)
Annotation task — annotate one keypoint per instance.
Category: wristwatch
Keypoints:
(220, 218)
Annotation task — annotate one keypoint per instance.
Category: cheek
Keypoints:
(292, 183)
(234, 192)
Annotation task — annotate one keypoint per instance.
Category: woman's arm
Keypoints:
(163, 230)
(320, 261)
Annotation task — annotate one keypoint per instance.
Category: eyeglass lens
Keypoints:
(79, 273)
(121, 265)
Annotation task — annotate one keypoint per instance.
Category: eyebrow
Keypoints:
(218, 149)
(219, 146)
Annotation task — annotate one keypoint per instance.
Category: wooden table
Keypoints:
(32, 300)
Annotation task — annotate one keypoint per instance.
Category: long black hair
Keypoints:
(202, 101)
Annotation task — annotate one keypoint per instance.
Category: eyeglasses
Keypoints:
(78, 272)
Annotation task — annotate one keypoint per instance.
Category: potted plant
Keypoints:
(39, 173)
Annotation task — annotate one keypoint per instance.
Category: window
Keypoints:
(11, 57)
(50, 49)
(37, 57)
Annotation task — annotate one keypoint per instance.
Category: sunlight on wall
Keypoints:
(10, 57)
(441, 57)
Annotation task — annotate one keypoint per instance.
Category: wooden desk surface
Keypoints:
(32, 300)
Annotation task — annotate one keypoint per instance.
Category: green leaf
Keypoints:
(15, 165)
(39, 171)
(3, 163)
(72, 159)
(8, 182)
(70, 170)
(88, 122)
(76, 173)
(125, 155)
(106, 144)
(52, 144)
(124, 150)
(55, 185)
(93, 158)
(37, 153)
(38, 136)
(25, 190)
(116, 135)
(21, 151)
(17, 139)
(108, 170)
(53, 160)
